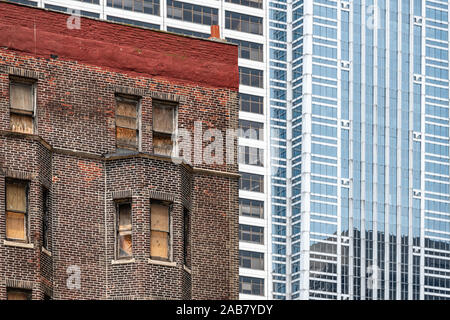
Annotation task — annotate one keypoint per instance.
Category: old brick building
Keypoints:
(92, 205)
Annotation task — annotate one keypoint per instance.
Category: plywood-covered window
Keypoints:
(18, 294)
(124, 230)
(160, 230)
(16, 210)
(22, 101)
(127, 123)
(164, 125)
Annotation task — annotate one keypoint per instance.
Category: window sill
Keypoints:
(20, 133)
(127, 261)
(187, 269)
(46, 252)
(18, 244)
(162, 263)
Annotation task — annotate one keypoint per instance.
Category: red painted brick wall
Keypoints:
(155, 53)
(76, 129)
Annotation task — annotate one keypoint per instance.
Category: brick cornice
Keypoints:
(130, 91)
(157, 195)
(26, 136)
(122, 194)
(158, 95)
(19, 174)
(216, 173)
(19, 284)
(113, 157)
(19, 72)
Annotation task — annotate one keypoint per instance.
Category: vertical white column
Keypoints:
(306, 148)
(221, 21)
(387, 196)
(351, 272)
(399, 150)
(268, 175)
(411, 145)
(375, 272)
(102, 4)
(163, 13)
(363, 151)
(289, 138)
(422, 162)
(339, 159)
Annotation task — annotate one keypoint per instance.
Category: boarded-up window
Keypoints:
(187, 238)
(127, 129)
(16, 210)
(160, 230)
(18, 294)
(124, 231)
(164, 125)
(22, 106)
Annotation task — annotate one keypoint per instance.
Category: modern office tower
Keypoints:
(375, 215)
(351, 199)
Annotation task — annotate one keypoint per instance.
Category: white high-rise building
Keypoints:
(242, 22)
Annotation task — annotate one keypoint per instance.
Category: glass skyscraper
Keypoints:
(345, 187)
(375, 216)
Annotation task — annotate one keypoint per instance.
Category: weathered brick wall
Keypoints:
(214, 274)
(78, 226)
(71, 154)
(145, 179)
(29, 159)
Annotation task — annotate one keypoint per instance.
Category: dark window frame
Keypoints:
(254, 259)
(152, 7)
(118, 204)
(251, 156)
(45, 217)
(251, 232)
(28, 292)
(168, 204)
(133, 22)
(248, 3)
(164, 135)
(251, 103)
(248, 129)
(188, 12)
(188, 32)
(251, 77)
(137, 102)
(243, 22)
(255, 182)
(249, 50)
(90, 1)
(186, 237)
(20, 81)
(257, 285)
(252, 204)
